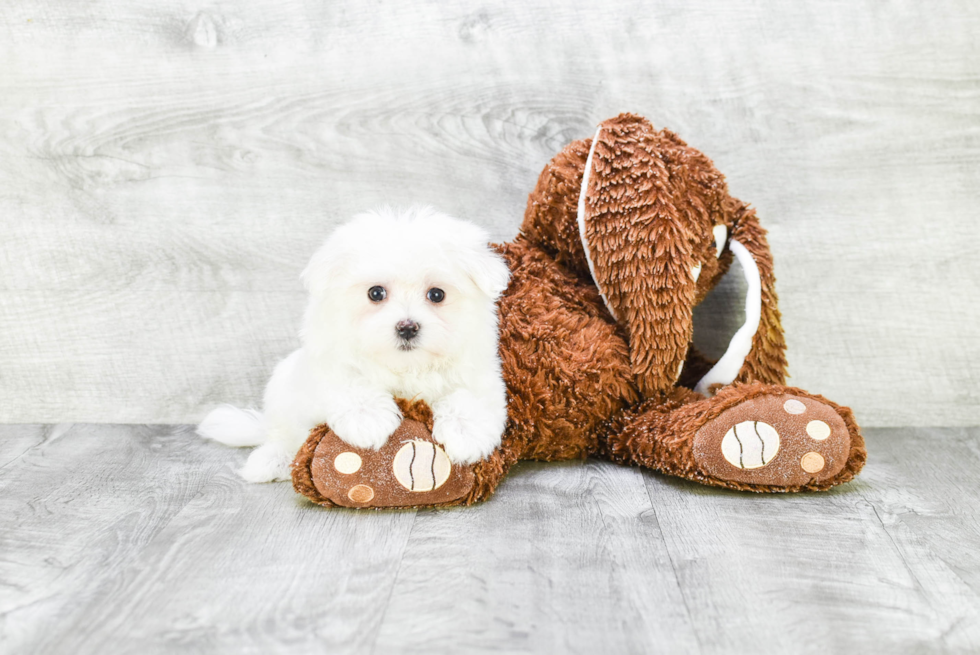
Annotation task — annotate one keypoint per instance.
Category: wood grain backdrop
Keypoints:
(167, 166)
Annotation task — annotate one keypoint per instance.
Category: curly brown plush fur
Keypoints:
(596, 327)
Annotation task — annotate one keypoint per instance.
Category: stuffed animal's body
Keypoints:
(623, 235)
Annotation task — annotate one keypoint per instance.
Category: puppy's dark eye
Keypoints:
(377, 294)
(436, 295)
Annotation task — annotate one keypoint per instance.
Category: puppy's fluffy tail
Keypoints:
(233, 427)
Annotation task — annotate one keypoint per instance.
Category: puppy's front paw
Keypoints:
(367, 428)
(267, 463)
(466, 440)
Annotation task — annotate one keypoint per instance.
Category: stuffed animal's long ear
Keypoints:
(641, 244)
(757, 352)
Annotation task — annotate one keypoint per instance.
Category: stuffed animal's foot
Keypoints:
(752, 437)
(409, 470)
(777, 440)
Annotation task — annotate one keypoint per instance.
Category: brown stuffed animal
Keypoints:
(623, 235)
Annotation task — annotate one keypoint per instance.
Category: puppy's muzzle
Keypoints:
(407, 329)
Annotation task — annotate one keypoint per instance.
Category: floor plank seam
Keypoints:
(394, 583)
(898, 551)
(47, 436)
(673, 567)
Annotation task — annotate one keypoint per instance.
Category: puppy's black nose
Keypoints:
(407, 329)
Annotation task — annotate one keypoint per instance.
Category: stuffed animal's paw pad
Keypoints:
(775, 441)
(409, 470)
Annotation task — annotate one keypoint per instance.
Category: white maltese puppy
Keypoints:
(401, 305)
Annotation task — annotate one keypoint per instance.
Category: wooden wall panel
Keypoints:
(166, 168)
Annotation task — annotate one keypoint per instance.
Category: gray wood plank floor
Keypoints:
(127, 539)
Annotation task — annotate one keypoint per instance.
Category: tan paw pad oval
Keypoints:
(793, 406)
(361, 493)
(812, 462)
(347, 463)
(421, 466)
(818, 430)
(750, 444)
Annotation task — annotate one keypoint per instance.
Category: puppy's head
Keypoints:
(406, 290)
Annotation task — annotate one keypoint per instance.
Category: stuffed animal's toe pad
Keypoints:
(780, 441)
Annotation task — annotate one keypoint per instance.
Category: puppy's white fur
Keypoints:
(352, 363)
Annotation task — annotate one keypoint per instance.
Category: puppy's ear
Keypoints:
(479, 262)
(489, 271)
(325, 265)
